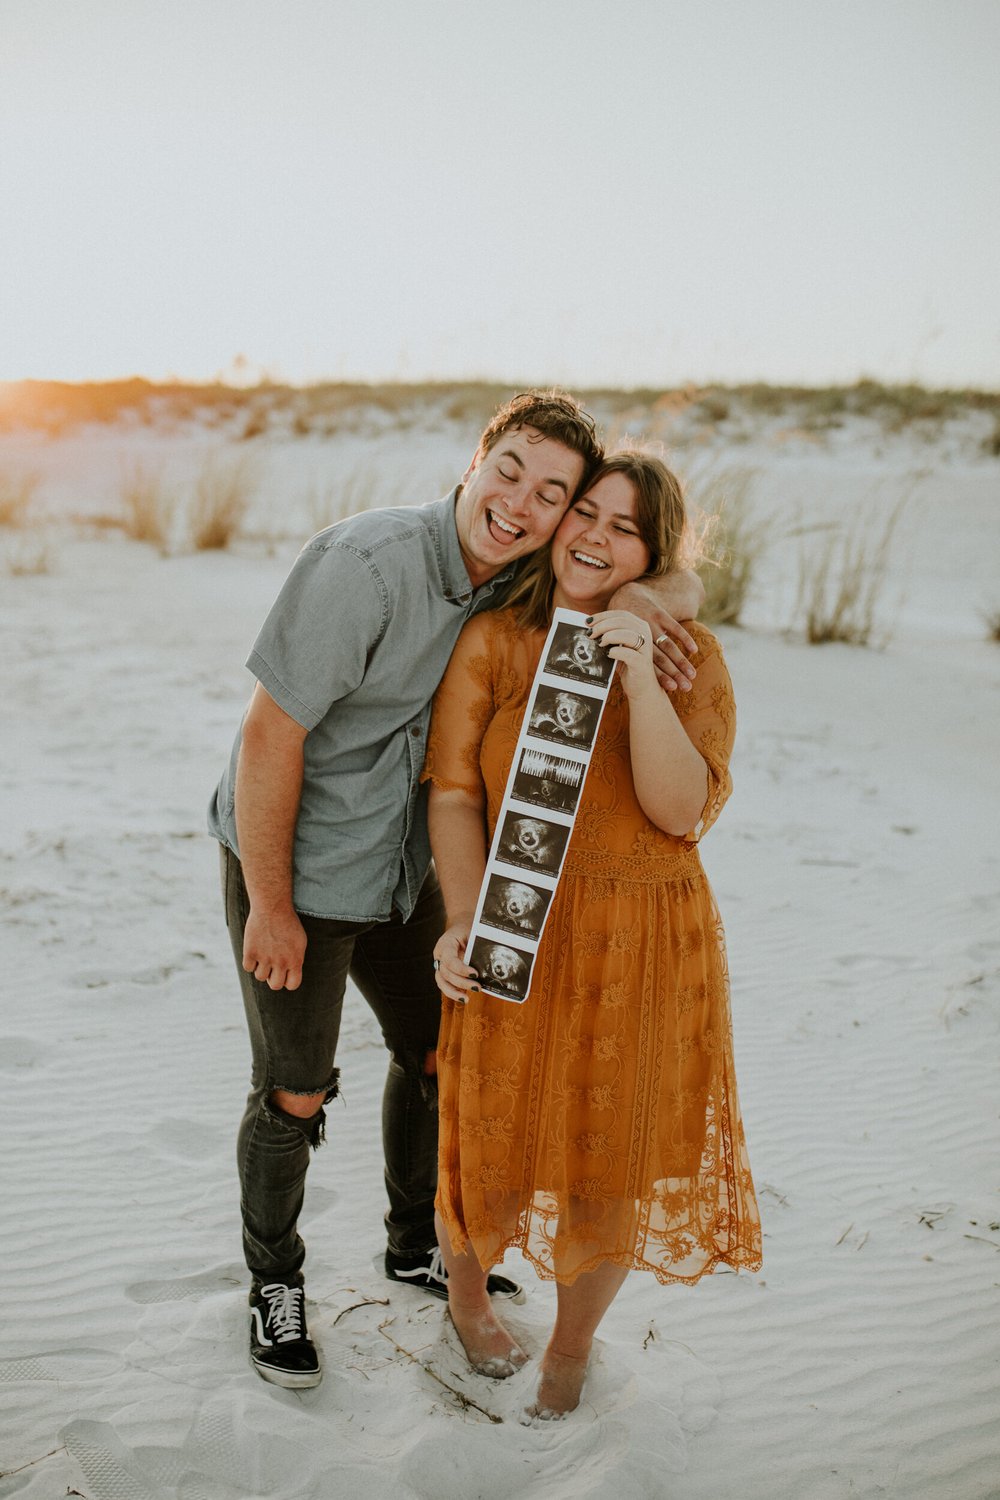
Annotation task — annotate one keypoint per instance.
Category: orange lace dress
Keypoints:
(599, 1121)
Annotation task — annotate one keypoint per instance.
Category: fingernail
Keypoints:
(590, 619)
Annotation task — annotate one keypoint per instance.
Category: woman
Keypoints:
(595, 1127)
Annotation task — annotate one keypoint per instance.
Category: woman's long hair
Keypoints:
(659, 514)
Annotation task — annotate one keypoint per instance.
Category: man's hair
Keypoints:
(554, 414)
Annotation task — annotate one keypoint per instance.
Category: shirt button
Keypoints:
(447, 593)
(415, 731)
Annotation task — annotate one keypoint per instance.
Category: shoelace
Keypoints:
(284, 1310)
(435, 1267)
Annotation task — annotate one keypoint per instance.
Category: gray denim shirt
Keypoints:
(353, 650)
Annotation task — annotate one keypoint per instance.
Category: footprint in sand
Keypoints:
(222, 1278)
(185, 1139)
(628, 1433)
(99, 979)
(318, 1200)
(111, 1469)
(59, 1364)
(21, 1052)
(901, 961)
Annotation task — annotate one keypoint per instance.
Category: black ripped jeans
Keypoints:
(293, 1036)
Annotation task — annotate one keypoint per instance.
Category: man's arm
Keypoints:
(268, 790)
(663, 603)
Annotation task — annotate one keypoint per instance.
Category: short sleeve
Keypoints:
(708, 715)
(464, 705)
(314, 645)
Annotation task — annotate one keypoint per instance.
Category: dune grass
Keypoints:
(842, 576)
(17, 491)
(218, 509)
(352, 492)
(149, 507)
(30, 557)
(731, 541)
(57, 407)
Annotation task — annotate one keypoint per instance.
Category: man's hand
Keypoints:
(672, 645)
(274, 945)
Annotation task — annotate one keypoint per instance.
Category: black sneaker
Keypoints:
(280, 1347)
(427, 1273)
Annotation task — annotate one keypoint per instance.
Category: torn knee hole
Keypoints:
(311, 1126)
(291, 1102)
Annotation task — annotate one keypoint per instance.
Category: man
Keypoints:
(322, 824)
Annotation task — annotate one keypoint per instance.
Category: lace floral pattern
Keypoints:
(600, 1120)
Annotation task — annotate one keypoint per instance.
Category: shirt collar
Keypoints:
(455, 582)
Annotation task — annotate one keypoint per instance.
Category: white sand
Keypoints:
(858, 873)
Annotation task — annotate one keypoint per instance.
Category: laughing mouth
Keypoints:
(506, 528)
(589, 560)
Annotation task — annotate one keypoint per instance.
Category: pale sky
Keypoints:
(586, 191)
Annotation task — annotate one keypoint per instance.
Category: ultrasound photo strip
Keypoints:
(535, 822)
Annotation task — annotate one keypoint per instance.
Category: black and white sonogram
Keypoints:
(548, 780)
(515, 906)
(565, 718)
(532, 843)
(574, 653)
(502, 970)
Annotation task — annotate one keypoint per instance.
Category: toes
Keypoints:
(495, 1369)
(533, 1414)
(499, 1368)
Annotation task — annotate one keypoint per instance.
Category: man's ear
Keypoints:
(477, 458)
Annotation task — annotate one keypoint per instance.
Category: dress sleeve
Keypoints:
(708, 715)
(464, 705)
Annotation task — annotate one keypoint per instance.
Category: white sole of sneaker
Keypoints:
(289, 1380)
(518, 1297)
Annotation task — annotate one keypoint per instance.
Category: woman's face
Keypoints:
(597, 547)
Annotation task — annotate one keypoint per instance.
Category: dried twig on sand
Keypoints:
(366, 1302)
(6, 1473)
(464, 1401)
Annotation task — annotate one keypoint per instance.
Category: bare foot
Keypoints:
(489, 1347)
(562, 1377)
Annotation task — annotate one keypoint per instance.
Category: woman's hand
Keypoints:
(452, 973)
(626, 638)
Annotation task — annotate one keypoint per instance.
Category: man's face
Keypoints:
(513, 498)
